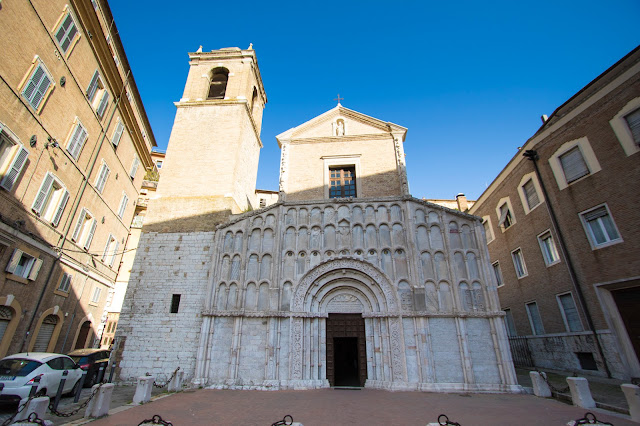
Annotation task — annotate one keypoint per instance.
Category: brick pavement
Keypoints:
(353, 407)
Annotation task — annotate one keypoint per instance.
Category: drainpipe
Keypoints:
(532, 155)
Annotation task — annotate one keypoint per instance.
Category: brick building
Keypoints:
(345, 280)
(74, 146)
(563, 283)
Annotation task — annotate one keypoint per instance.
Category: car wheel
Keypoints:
(91, 380)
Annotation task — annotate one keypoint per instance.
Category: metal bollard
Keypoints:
(101, 372)
(60, 388)
(34, 386)
(112, 372)
(76, 398)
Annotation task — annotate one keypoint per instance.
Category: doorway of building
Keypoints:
(346, 350)
(628, 300)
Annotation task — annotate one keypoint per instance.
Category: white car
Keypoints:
(17, 373)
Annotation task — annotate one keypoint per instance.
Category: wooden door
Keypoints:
(346, 335)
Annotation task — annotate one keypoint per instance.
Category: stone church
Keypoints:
(345, 281)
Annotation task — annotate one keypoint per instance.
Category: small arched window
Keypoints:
(218, 83)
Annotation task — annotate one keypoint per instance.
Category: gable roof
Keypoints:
(377, 126)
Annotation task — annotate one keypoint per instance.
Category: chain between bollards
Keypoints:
(286, 420)
(445, 419)
(21, 407)
(553, 388)
(55, 412)
(156, 385)
(590, 419)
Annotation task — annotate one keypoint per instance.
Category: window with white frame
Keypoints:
(123, 205)
(626, 126)
(38, 85)
(518, 263)
(134, 167)
(13, 157)
(66, 32)
(505, 216)
(530, 192)
(117, 133)
(599, 226)
(85, 229)
(101, 180)
(497, 273)
(573, 161)
(534, 318)
(341, 176)
(51, 199)
(97, 94)
(24, 265)
(511, 325)
(548, 247)
(77, 139)
(95, 296)
(488, 230)
(569, 312)
(159, 164)
(65, 283)
(110, 250)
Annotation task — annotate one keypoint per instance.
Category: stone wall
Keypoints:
(151, 338)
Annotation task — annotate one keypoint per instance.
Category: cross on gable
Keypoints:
(338, 99)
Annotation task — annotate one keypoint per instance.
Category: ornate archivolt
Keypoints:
(350, 285)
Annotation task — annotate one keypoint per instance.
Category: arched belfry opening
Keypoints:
(218, 83)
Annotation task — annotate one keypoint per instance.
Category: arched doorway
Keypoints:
(81, 341)
(47, 328)
(339, 308)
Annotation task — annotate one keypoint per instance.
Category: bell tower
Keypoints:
(211, 165)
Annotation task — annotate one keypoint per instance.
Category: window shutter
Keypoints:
(106, 248)
(531, 194)
(81, 219)
(41, 91)
(93, 85)
(13, 263)
(94, 224)
(77, 141)
(633, 121)
(33, 83)
(594, 214)
(117, 135)
(503, 214)
(123, 205)
(66, 33)
(102, 177)
(113, 254)
(33, 274)
(103, 104)
(573, 165)
(42, 193)
(134, 167)
(15, 169)
(61, 206)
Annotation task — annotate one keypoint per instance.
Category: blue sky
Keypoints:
(468, 79)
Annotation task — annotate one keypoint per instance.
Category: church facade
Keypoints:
(346, 281)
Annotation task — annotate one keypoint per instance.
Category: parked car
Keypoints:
(90, 360)
(17, 374)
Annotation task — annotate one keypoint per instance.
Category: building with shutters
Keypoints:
(564, 240)
(74, 147)
(346, 280)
